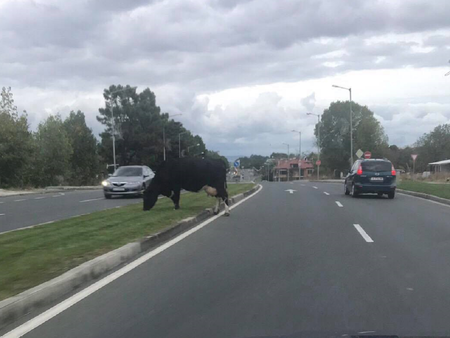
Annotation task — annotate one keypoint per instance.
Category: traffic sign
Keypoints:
(318, 162)
(359, 153)
(237, 163)
(367, 155)
(414, 156)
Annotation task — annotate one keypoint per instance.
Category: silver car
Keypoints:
(128, 180)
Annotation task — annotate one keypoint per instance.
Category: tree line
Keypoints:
(65, 151)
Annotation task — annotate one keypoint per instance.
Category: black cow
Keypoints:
(191, 174)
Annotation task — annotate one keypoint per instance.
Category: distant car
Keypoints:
(371, 176)
(128, 180)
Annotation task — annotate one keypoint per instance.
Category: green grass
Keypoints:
(32, 256)
(439, 190)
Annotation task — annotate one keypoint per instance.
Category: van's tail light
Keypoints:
(359, 171)
(393, 173)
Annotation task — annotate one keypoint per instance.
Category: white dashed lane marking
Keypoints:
(2, 214)
(326, 193)
(339, 204)
(363, 233)
(39, 198)
(315, 187)
(19, 200)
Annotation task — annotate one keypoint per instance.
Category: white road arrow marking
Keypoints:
(291, 191)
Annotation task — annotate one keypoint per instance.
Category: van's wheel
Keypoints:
(380, 194)
(391, 195)
(107, 196)
(354, 193)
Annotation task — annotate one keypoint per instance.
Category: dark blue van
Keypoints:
(371, 176)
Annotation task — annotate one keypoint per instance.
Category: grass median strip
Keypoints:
(439, 190)
(32, 256)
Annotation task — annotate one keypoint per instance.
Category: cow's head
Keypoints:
(151, 195)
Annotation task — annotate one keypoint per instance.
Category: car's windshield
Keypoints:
(128, 171)
(376, 166)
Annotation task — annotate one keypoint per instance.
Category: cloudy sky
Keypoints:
(243, 73)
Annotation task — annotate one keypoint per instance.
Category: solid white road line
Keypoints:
(38, 198)
(314, 187)
(57, 309)
(94, 199)
(339, 204)
(19, 200)
(326, 193)
(363, 233)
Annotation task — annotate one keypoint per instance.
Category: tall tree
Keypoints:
(368, 134)
(54, 152)
(15, 141)
(139, 126)
(84, 159)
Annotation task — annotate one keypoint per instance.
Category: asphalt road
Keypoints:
(31, 209)
(306, 264)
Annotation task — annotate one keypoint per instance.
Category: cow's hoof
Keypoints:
(177, 207)
(226, 214)
(215, 212)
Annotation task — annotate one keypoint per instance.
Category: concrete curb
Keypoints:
(425, 196)
(12, 309)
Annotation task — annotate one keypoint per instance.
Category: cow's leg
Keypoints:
(217, 207)
(223, 194)
(176, 198)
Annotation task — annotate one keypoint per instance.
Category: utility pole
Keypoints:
(289, 166)
(113, 123)
(318, 141)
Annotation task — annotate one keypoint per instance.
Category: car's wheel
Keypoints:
(346, 189)
(107, 196)
(391, 195)
(380, 194)
(354, 192)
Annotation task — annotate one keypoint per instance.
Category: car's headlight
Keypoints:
(105, 183)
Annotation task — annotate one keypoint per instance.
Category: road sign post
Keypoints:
(318, 163)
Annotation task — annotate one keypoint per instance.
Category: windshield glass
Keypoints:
(128, 171)
(376, 166)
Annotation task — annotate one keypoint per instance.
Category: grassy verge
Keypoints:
(32, 256)
(439, 190)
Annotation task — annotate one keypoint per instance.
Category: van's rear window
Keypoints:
(376, 166)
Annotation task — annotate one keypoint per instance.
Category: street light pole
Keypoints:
(299, 152)
(351, 120)
(113, 123)
(164, 135)
(192, 147)
(287, 161)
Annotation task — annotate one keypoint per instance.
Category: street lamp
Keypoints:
(299, 151)
(351, 120)
(164, 134)
(318, 141)
(179, 143)
(288, 159)
(113, 124)
(192, 147)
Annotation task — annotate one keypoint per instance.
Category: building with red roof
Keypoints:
(289, 169)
